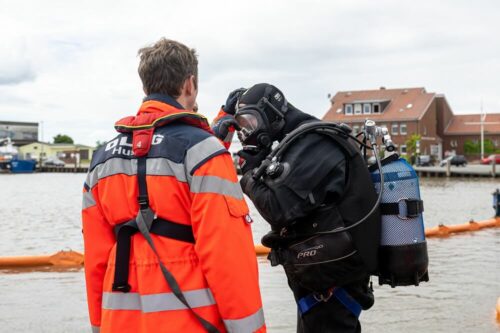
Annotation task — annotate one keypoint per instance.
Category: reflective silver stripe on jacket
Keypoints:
(156, 302)
(88, 200)
(248, 324)
(95, 329)
(201, 151)
(214, 184)
(111, 167)
(154, 167)
(165, 167)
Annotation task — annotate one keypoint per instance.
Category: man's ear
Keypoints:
(190, 85)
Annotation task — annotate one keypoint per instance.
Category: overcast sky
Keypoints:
(73, 64)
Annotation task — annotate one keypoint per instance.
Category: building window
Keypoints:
(394, 129)
(425, 130)
(376, 108)
(357, 108)
(355, 129)
(402, 129)
(348, 109)
(383, 125)
(402, 149)
(367, 108)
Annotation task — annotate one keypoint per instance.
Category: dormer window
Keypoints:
(367, 108)
(376, 108)
(357, 108)
(348, 109)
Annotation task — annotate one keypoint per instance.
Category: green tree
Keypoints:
(411, 148)
(99, 144)
(63, 138)
(471, 147)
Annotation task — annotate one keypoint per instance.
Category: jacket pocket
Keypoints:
(236, 207)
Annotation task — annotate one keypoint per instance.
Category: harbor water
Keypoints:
(40, 214)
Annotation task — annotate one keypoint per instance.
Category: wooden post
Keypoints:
(448, 168)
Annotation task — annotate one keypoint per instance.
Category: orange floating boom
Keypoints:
(498, 309)
(445, 231)
(60, 259)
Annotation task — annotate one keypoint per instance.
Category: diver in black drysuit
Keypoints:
(320, 187)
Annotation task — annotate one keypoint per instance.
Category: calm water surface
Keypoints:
(40, 214)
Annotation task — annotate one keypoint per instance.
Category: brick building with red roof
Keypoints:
(412, 111)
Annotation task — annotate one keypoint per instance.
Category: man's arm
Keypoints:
(98, 240)
(224, 123)
(224, 243)
(224, 126)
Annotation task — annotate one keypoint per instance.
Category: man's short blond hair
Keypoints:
(165, 66)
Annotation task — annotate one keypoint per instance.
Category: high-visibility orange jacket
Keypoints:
(191, 180)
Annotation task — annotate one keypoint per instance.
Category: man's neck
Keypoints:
(183, 101)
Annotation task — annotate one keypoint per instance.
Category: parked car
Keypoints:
(424, 160)
(490, 159)
(53, 161)
(458, 160)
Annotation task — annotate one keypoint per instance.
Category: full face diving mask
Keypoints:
(256, 129)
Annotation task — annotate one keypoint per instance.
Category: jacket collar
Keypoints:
(157, 111)
(169, 100)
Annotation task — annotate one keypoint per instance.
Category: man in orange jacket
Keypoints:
(168, 244)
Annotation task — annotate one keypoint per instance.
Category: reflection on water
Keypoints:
(40, 214)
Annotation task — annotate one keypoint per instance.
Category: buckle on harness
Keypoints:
(320, 297)
(413, 208)
(124, 288)
(143, 201)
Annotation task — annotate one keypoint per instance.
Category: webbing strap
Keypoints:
(122, 257)
(142, 198)
(124, 233)
(144, 220)
(306, 303)
(347, 300)
(414, 207)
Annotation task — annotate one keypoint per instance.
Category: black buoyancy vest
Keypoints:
(359, 196)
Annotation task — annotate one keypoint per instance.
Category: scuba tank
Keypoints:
(403, 256)
(402, 253)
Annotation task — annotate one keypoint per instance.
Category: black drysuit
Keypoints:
(303, 200)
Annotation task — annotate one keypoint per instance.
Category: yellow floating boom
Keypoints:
(71, 259)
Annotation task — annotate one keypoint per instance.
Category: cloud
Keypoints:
(74, 65)
(15, 64)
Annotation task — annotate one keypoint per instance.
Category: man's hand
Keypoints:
(251, 158)
(224, 126)
(232, 99)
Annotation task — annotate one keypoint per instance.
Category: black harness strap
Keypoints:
(414, 207)
(124, 233)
